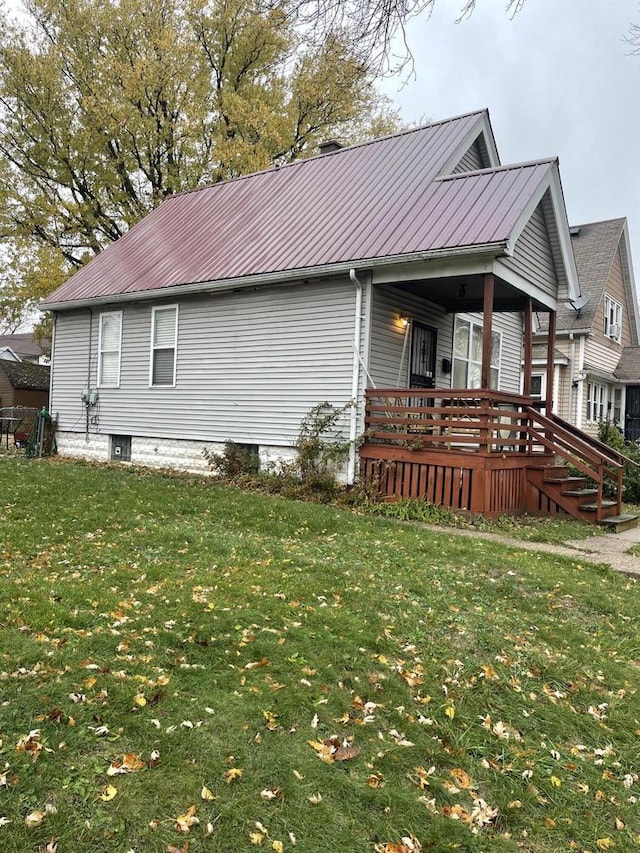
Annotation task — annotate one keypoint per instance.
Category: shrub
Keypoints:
(610, 435)
(236, 460)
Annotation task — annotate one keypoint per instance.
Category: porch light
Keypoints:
(404, 320)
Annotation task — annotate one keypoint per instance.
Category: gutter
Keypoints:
(355, 379)
(279, 277)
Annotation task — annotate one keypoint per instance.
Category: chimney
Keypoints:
(329, 146)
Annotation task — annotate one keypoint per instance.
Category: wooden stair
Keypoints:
(573, 495)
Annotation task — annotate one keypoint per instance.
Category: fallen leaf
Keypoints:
(256, 838)
(375, 780)
(314, 799)
(462, 778)
(34, 819)
(109, 793)
(206, 794)
(271, 793)
(277, 846)
(185, 821)
(232, 774)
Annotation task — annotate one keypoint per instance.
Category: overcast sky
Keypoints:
(558, 80)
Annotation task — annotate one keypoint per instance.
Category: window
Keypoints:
(109, 346)
(617, 405)
(596, 402)
(538, 386)
(164, 341)
(612, 319)
(467, 355)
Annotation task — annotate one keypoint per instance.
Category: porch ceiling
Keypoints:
(464, 293)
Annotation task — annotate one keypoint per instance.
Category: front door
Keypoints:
(632, 413)
(422, 368)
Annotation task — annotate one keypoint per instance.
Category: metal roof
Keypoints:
(382, 199)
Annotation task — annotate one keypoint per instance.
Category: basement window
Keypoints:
(121, 448)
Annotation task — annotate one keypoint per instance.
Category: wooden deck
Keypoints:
(485, 452)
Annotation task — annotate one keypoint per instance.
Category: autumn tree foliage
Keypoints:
(109, 106)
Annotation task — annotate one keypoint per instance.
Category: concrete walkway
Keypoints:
(608, 548)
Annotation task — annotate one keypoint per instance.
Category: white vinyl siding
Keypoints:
(533, 256)
(109, 349)
(390, 348)
(472, 160)
(250, 366)
(164, 345)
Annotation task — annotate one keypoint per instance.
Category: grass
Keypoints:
(487, 696)
(556, 530)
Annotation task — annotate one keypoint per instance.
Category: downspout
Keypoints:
(86, 404)
(355, 379)
(572, 373)
(580, 394)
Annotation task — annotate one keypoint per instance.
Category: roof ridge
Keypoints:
(300, 162)
(504, 167)
(620, 219)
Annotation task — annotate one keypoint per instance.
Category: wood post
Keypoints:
(551, 344)
(528, 348)
(487, 322)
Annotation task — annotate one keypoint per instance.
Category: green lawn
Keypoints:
(285, 672)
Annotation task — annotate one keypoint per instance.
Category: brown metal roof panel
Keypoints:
(353, 203)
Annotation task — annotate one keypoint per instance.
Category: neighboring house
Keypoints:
(415, 261)
(26, 347)
(23, 384)
(597, 359)
(8, 354)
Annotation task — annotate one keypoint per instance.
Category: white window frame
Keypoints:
(612, 318)
(153, 349)
(474, 325)
(542, 374)
(103, 316)
(596, 402)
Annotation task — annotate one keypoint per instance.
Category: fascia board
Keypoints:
(632, 281)
(286, 277)
(551, 182)
(482, 127)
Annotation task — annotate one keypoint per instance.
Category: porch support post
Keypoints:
(528, 348)
(551, 343)
(487, 322)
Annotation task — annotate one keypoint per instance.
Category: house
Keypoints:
(597, 353)
(415, 261)
(26, 348)
(23, 384)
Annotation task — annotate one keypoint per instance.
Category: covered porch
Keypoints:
(482, 450)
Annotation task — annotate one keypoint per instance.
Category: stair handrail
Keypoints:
(585, 449)
(595, 442)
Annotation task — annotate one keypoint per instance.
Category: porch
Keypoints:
(487, 452)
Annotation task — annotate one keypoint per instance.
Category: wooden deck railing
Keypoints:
(482, 422)
(458, 419)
